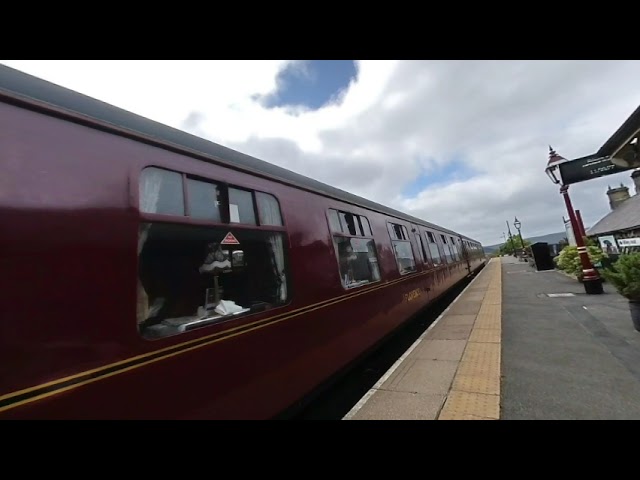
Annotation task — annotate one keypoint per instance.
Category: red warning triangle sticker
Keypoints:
(230, 240)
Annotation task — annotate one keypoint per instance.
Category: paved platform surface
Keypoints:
(517, 344)
(453, 370)
(566, 358)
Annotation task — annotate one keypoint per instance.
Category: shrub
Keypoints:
(569, 260)
(625, 276)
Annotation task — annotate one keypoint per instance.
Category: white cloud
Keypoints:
(399, 119)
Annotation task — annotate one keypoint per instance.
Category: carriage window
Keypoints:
(204, 200)
(366, 228)
(241, 207)
(398, 232)
(161, 192)
(423, 252)
(357, 260)
(193, 276)
(446, 254)
(334, 221)
(453, 248)
(348, 223)
(402, 248)
(268, 209)
(433, 249)
(404, 256)
(357, 257)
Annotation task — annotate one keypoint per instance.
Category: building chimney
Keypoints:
(636, 179)
(617, 196)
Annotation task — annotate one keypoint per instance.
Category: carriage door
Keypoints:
(420, 246)
(427, 282)
(465, 253)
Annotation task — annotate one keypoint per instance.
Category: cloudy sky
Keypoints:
(459, 143)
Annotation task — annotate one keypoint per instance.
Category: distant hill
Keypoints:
(550, 238)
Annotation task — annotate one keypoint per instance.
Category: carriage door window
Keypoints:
(161, 192)
(241, 208)
(196, 265)
(421, 248)
(355, 249)
(454, 249)
(446, 253)
(433, 249)
(402, 248)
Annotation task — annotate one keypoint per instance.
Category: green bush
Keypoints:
(569, 260)
(625, 276)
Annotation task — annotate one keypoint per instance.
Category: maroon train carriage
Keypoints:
(149, 273)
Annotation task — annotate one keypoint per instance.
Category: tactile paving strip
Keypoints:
(489, 384)
(465, 405)
(482, 353)
(481, 369)
(484, 320)
(487, 335)
(493, 311)
(475, 392)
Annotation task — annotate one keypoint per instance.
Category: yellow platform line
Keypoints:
(475, 391)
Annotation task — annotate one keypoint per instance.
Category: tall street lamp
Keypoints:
(517, 224)
(513, 248)
(590, 278)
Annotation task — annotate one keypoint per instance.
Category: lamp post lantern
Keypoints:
(590, 278)
(517, 224)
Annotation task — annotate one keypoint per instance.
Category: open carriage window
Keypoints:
(357, 255)
(433, 249)
(402, 248)
(191, 276)
(194, 275)
(357, 261)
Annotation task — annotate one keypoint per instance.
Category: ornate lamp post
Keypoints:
(513, 248)
(590, 278)
(517, 224)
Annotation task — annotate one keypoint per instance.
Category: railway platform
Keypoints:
(516, 344)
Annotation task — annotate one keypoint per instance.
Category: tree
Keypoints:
(513, 244)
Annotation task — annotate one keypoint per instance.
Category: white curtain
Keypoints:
(269, 210)
(142, 238)
(143, 298)
(277, 246)
(150, 184)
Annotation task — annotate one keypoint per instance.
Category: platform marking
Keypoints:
(398, 362)
(475, 391)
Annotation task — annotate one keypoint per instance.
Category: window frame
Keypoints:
(185, 220)
(333, 233)
(424, 252)
(224, 212)
(391, 227)
(441, 259)
(454, 249)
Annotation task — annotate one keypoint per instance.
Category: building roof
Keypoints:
(19, 85)
(628, 128)
(625, 217)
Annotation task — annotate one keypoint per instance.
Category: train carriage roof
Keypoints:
(21, 86)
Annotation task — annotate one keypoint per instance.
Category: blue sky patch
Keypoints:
(311, 83)
(456, 170)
